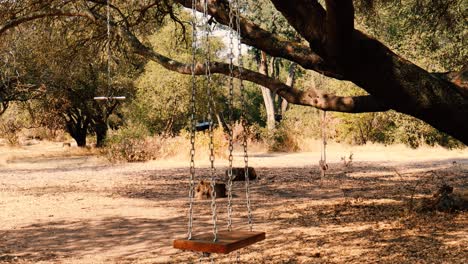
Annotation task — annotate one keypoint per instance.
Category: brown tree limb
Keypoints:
(340, 29)
(395, 81)
(310, 97)
(307, 17)
(271, 43)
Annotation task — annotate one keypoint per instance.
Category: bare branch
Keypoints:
(41, 14)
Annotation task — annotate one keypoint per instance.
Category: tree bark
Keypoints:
(268, 99)
(80, 138)
(78, 133)
(101, 133)
(284, 105)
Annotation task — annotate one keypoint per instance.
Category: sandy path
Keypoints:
(59, 206)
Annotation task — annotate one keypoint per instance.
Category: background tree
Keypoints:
(15, 84)
(163, 96)
(265, 15)
(70, 75)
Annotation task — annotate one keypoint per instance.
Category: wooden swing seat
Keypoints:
(227, 241)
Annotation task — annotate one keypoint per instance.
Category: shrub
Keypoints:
(281, 139)
(131, 143)
(359, 129)
(202, 140)
(9, 129)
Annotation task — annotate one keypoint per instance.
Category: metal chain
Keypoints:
(109, 78)
(192, 121)
(210, 118)
(323, 151)
(243, 116)
(230, 110)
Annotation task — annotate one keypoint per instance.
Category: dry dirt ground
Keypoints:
(67, 206)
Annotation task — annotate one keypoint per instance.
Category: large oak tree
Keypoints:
(329, 44)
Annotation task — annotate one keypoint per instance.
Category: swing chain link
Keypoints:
(108, 50)
(192, 122)
(323, 153)
(243, 116)
(230, 113)
(210, 118)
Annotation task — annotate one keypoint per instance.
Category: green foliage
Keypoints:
(202, 141)
(414, 133)
(67, 102)
(163, 96)
(162, 100)
(302, 121)
(430, 33)
(264, 14)
(360, 129)
(255, 112)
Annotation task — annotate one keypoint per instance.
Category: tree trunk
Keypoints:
(80, 139)
(221, 122)
(78, 133)
(267, 94)
(101, 133)
(77, 126)
(284, 105)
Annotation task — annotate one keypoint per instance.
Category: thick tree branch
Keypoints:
(340, 28)
(307, 17)
(274, 45)
(311, 97)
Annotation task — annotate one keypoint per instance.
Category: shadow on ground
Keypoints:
(355, 214)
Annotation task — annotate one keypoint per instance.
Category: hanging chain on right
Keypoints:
(230, 112)
(323, 152)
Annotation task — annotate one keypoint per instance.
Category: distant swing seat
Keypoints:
(202, 126)
(227, 241)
